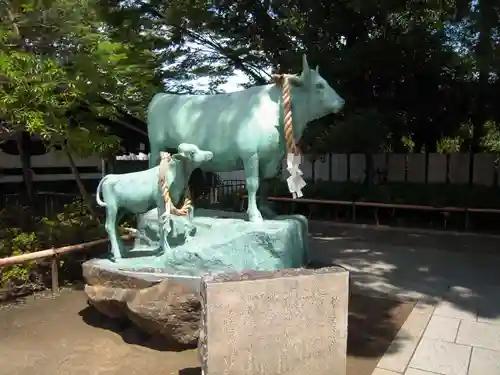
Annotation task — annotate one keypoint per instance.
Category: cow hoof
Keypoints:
(267, 212)
(255, 217)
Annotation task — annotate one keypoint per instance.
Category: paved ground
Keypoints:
(62, 336)
(455, 328)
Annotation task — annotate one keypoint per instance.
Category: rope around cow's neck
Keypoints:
(295, 181)
(282, 80)
(169, 205)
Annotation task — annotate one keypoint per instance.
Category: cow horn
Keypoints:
(305, 65)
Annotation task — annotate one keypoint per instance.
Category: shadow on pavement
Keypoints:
(129, 333)
(461, 270)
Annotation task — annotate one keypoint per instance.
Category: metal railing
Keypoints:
(50, 203)
(54, 254)
(377, 205)
(227, 187)
(47, 203)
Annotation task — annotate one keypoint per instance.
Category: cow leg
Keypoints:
(264, 204)
(111, 216)
(251, 167)
(268, 171)
(154, 156)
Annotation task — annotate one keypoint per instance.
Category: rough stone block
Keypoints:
(169, 308)
(224, 242)
(236, 245)
(290, 322)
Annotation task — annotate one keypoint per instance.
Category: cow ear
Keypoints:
(180, 156)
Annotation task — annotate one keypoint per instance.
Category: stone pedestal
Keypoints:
(158, 304)
(290, 322)
(218, 244)
(221, 245)
(160, 294)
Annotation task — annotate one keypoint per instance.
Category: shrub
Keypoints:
(23, 232)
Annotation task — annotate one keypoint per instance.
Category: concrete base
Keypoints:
(160, 294)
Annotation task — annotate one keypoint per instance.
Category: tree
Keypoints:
(61, 72)
(398, 57)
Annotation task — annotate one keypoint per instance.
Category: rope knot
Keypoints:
(169, 206)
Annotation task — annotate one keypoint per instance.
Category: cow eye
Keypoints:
(320, 86)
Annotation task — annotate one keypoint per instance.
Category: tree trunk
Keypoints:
(370, 169)
(83, 191)
(25, 163)
(24, 156)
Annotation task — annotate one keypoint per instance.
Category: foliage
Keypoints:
(448, 145)
(399, 57)
(360, 131)
(20, 235)
(426, 66)
(491, 139)
(16, 242)
(417, 63)
(61, 73)
(411, 72)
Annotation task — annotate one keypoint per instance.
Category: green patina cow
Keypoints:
(240, 128)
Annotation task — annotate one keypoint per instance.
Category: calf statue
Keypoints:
(246, 128)
(161, 186)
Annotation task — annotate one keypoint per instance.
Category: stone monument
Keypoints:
(290, 322)
(175, 247)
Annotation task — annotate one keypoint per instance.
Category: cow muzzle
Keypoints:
(338, 105)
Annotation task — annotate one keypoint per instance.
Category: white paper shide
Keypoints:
(295, 182)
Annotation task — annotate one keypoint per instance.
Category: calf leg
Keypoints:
(111, 215)
(251, 167)
(164, 246)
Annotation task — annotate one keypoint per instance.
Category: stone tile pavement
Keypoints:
(455, 326)
(441, 339)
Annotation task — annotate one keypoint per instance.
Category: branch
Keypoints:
(5, 133)
(230, 55)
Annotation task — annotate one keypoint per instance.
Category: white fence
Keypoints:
(411, 168)
(11, 167)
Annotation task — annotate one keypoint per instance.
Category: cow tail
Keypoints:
(97, 197)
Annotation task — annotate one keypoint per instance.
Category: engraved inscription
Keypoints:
(293, 325)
